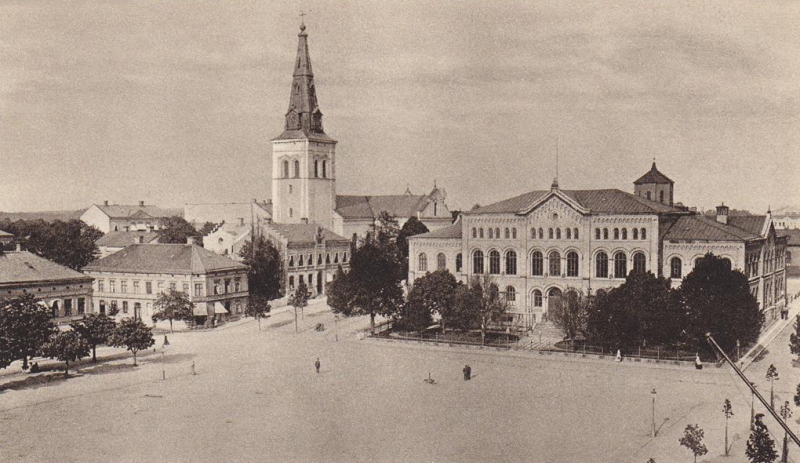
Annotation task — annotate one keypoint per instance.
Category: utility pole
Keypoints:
(653, 392)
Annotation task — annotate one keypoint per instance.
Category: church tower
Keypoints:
(303, 156)
(655, 186)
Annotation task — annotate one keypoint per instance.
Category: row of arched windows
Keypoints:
(494, 262)
(310, 260)
(555, 233)
(320, 169)
(620, 262)
(441, 262)
(494, 233)
(554, 264)
(620, 234)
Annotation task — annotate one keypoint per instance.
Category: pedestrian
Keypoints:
(166, 341)
(317, 364)
(698, 365)
(619, 355)
(469, 372)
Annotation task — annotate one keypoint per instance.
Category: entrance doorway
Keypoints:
(554, 299)
(319, 283)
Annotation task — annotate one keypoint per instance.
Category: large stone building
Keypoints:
(66, 292)
(118, 217)
(543, 243)
(129, 281)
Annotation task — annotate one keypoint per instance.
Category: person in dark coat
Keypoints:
(467, 372)
(317, 364)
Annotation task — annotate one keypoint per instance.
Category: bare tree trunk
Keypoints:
(134, 358)
(66, 369)
(170, 326)
(296, 329)
(726, 436)
(372, 322)
(25, 361)
(259, 323)
(94, 353)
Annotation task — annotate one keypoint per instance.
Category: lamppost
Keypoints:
(653, 392)
(752, 406)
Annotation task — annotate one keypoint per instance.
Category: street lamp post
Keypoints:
(752, 406)
(653, 392)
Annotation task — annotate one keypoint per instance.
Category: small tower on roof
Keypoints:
(655, 186)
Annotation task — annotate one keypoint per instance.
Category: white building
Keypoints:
(119, 217)
(228, 213)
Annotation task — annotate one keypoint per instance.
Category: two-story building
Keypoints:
(121, 217)
(128, 282)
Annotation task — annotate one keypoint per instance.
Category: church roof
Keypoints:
(120, 239)
(448, 232)
(27, 267)
(597, 201)
(700, 228)
(401, 206)
(183, 259)
(653, 176)
(304, 233)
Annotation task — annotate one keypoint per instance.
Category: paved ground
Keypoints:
(256, 397)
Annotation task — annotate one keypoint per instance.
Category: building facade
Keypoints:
(227, 213)
(117, 217)
(129, 282)
(542, 244)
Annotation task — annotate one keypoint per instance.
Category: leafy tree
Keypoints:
(26, 326)
(385, 231)
(6, 355)
(70, 243)
(413, 226)
(374, 282)
(772, 376)
(95, 329)
(66, 346)
(265, 276)
(717, 300)
(727, 410)
(207, 228)
(132, 335)
(693, 440)
(173, 305)
(176, 230)
(258, 307)
(481, 304)
(797, 396)
(570, 316)
(299, 300)
(794, 338)
(760, 446)
(432, 293)
(786, 413)
(341, 294)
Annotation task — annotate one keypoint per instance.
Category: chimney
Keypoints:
(105, 203)
(141, 203)
(140, 239)
(190, 240)
(241, 221)
(722, 214)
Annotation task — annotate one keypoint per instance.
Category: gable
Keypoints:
(554, 202)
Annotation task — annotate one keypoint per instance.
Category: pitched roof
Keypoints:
(793, 234)
(448, 232)
(304, 233)
(121, 211)
(120, 239)
(597, 201)
(27, 267)
(5, 233)
(653, 176)
(403, 206)
(751, 223)
(182, 259)
(700, 228)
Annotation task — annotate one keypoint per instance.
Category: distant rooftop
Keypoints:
(27, 267)
(184, 259)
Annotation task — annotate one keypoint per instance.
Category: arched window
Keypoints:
(302, 279)
(316, 169)
(675, 268)
(511, 262)
(477, 262)
(572, 264)
(661, 196)
(620, 265)
(324, 169)
(533, 233)
(474, 232)
(300, 261)
(459, 262)
(514, 233)
(728, 265)
(541, 234)
(624, 233)
(636, 233)
(491, 233)
(291, 261)
(285, 169)
(554, 259)
(605, 233)
(497, 233)
(480, 233)
(422, 266)
(319, 259)
(494, 292)
(296, 168)
(558, 233)
(508, 233)
(537, 298)
(616, 233)
(291, 281)
(569, 233)
(441, 262)
(494, 262)
(291, 212)
(550, 233)
(597, 233)
(328, 258)
(649, 196)
(639, 263)
(601, 265)
(644, 233)
(575, 233)
(537, 264)
(511, 295)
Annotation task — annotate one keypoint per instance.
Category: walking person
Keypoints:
(469, 372)
(465, 370)
(317, 364)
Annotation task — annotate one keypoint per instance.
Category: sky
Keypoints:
(175, 102)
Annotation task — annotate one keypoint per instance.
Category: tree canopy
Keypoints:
(760, 446)
(176, 230)
(341, 294)
(258, 307)
(265, 276)
(66, 346)
(173, 305)
(412, 227)
(481, 304)
(374, 281)
(26, 326)
(95, 329)
(132, 335)
(70, 243)
(431, 294)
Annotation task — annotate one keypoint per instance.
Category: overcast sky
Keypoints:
(173, 101)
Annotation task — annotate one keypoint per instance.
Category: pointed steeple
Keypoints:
(303, 118)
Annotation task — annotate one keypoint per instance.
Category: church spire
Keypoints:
(303, 114)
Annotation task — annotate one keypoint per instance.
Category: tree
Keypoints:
(132, 335)
(727, 410)
(481, 304)
(385, 230)
(26, 326)
(570, 316)
(176, 230)
(797, 396)
(433, 293)
(413, 226)
(258, 307)
(771, 376)
(693, 440)
(760, 446)
(299, 300)
(786, 413)
(95, 329)
(173, 305)
(265, 276)
(717, 300)
(70, 243)
(66, 346)
(207, 228)
(374, 282)
(341, 294)
(794, 338)
(6, 355)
